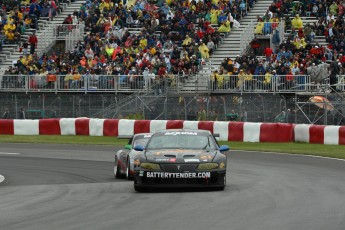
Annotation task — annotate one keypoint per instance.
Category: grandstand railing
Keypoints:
(247, 36)
(71, 33)
(172, 84)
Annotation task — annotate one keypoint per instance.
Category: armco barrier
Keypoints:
(228, 131)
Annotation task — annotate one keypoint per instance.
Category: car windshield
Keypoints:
(141, 142)
(181, 142)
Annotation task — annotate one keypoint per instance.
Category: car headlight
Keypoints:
(150, 166)
(208, 166)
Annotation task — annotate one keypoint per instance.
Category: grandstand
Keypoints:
(169, 60)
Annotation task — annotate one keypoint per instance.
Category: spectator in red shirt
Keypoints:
(341, 58)
(314, 50)
(289, 79)
(268, 53)
(33, 43)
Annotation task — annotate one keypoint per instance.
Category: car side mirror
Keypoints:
(129, 147)
(139, 148)
(224, 148)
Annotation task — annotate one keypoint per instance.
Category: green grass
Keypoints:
(85, 140)
(334, 151)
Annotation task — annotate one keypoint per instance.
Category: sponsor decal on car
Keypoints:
(166, 160)
(181, 133)
(191, 160)
(177, 175)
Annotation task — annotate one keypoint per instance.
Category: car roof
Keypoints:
(132, 136)
(139, 134)
(201, 131)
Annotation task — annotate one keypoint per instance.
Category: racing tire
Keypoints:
(128, 174)
(222, 187)
(140, 189)
(117, 172)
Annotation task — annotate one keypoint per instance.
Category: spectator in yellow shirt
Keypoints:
(240, 79)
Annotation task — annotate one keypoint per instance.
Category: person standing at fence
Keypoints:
(21, 114)
(244, 115)
(6, 114)
(233, 116)
(334, 69)
(33, 43)
(202, 114)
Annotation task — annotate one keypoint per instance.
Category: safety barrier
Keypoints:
(228, 131)
(320, 134)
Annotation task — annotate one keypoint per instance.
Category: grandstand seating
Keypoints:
(303, 56)
(11, 51)
(135, 30)
(230, 46)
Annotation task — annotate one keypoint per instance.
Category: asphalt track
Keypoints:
(72, 187)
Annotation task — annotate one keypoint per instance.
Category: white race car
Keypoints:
(124, 158)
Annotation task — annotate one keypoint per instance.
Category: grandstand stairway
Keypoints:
(131, 104)
(229, 47)
(11, 52)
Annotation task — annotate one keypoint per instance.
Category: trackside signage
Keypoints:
(178, 175)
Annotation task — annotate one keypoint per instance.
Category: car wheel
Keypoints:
(140, 189)
(222, 187)
(128, 174)
(117, 172)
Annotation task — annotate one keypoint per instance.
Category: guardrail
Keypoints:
(134, 83)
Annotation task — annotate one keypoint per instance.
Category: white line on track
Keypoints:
(292, 154)
(6, 153)
(2, 178)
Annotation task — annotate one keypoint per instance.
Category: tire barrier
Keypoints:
(320, 134)
(228, 131)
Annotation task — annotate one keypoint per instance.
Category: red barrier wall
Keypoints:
(6, 127)
(142, 126)
(235, 131)
(342, 135)
(82, 127)
(176, 124)
(276, 132)
(49, 127)
(110, 127)
(206, 125)
(316, 134)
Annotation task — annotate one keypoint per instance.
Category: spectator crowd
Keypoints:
(286, 63)
(16, 17)
(175, 38)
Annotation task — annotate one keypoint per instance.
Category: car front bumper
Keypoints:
(162, 179)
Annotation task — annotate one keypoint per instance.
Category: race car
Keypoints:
(180, 158)
(124, 158)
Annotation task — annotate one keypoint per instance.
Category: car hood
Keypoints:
(180, 156)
